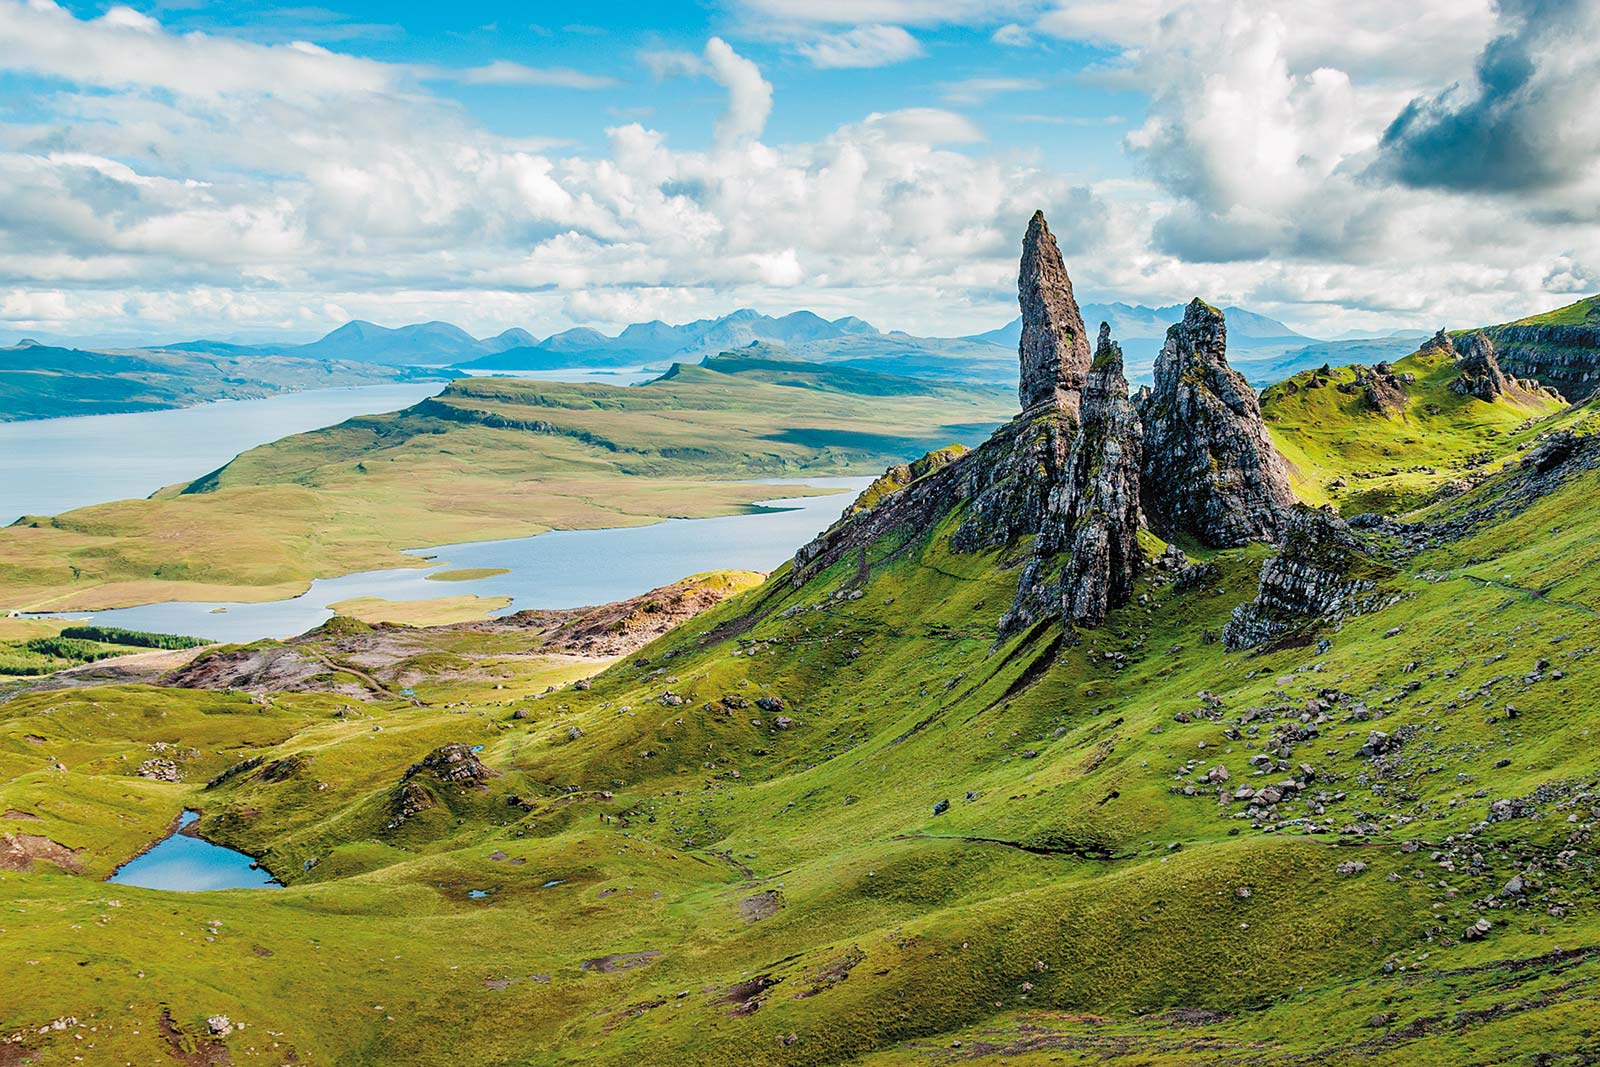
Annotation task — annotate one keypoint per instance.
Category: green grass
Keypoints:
(32, 647)
(1342, 452)
(1086, 897)
(466, 574)
(1585, 312)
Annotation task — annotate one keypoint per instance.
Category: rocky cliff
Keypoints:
(1211, 471)
(1560, 350)
(1320, 574)
(1074, 472)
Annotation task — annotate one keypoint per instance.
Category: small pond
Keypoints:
(186, 863)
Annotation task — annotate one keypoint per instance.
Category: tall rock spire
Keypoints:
(1054, 349)
(1210, 469)
(1087, 554)
(1103, 475)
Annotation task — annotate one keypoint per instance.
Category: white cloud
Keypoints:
(924, 125)
(504, 72)
(1012, 35)
(905, 12)
(980, 89)
(198, 184)
(123, 49)
(749, 94)
(864, 46)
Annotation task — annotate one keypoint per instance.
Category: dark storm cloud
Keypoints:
(1525, 123)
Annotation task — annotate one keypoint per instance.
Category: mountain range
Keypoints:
(439, 344)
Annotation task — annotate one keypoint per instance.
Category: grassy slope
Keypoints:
(1390, 462)
(1080, 906)
(491, 458)
(1584, 312)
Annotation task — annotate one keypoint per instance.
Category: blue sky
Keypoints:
(255, 169)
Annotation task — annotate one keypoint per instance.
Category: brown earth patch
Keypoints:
(832, 973)
(621, 961)
(763, 905)
(18, 852)
(189, 1049)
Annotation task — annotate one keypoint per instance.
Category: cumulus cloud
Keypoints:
(1526, 121)
(864, 46)
(196, 183)
(749, 94)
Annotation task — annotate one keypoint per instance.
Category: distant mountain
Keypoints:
(424, 344)
(1130, 322)
(654, 341)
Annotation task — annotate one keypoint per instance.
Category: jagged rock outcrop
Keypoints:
(1054, 348)
(1439, 342)
(454, 764)
(1382, 389)
(1072, 469)
(1087, 554)
(1564, 356)
(1210, 469)
(1320, 575)
(1480, 371)
(901, 475)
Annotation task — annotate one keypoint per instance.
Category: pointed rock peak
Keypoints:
(1440, 342)
(1205, 326)
(1210, 468)
(1107, 353)
(1054, 349)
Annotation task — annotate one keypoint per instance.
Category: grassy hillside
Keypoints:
(1585, 312)
(1345, 451)
(43, 381)
(488, 458)
(847, 823)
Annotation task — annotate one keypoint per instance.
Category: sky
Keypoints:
(245, 170)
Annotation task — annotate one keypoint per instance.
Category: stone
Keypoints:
(1087, 555)
(941, 807)
(1350, 867)
(1054, 349)
(160, 770)
(1382, 390)
(1210, 470)
(1311, 580)
(220, 1025)
(769, 703)
(453, 764)
(1480, 374)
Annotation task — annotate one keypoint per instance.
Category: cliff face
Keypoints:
(1481, 375)
(1565, 358)
(1210, 469)
(1075, 472)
